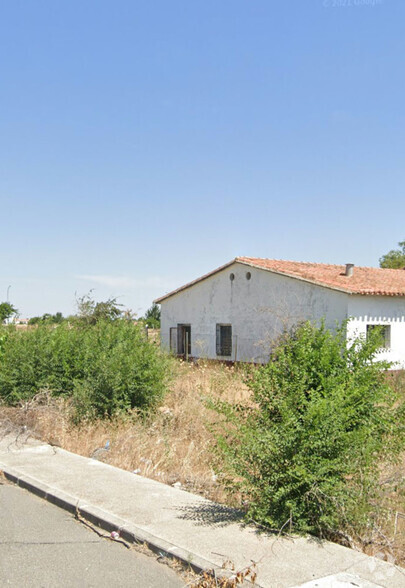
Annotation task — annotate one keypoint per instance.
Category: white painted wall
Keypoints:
(258, 309)
(380, 310)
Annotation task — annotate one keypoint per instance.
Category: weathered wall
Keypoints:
(257, 309)
(380, 310)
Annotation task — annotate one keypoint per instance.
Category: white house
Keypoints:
(234, 312)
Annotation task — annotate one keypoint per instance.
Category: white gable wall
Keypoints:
(380, 310)
(258, 309)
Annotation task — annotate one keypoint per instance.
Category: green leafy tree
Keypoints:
(57, 318)
(34, 320)
(7, 310)
(47, 319)
(306, 452)
(91, 312)
(394, 259)
(152, 316)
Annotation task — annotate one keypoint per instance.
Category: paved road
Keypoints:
(44, 546)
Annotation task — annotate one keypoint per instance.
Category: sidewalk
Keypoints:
(187, 526)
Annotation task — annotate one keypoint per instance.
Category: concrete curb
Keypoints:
(176, 524)
(109, 522)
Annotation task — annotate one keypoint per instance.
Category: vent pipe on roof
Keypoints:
(349, 269)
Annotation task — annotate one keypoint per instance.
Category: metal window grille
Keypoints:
(224, 340)
(384, 332)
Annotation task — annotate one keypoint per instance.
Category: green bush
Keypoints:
(306, 453)
(106, 367)
(3, 337)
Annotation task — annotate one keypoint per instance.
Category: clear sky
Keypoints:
(146, 142)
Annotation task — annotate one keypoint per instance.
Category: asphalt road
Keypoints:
(43, 546)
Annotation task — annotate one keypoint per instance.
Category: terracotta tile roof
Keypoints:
(365, 280)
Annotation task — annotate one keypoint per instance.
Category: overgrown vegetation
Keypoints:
(175, 444)
(308, 442)
(306, 452)
(100, 360)
(3, 337)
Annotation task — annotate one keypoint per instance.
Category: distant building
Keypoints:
(234, 312)
(21, 321)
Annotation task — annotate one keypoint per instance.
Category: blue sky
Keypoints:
(144, 143)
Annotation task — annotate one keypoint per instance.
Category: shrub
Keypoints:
(306, 453)
(3, 337)
(106, 367)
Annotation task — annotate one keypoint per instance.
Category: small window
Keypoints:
(224, 340)
(248, 275)
(232, 277)
(384, 332)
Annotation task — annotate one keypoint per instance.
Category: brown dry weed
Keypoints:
(173, 446)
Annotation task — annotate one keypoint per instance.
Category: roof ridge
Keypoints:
(318, 263)
(289, 261)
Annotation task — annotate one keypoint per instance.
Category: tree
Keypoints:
(58, 318)
(34, 320)
(47, 319)
(91, 312)
(7, 310)
(152, 316)
(394, 259)
(306, 452)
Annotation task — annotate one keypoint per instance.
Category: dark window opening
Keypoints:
(184, 340)
(383, 333)
(224, 340)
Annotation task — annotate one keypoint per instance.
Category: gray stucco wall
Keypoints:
(258, 309)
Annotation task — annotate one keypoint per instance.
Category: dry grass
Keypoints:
(175, 445)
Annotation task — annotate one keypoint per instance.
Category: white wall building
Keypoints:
(234, 312)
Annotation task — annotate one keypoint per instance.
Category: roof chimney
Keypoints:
(349, 269)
